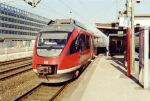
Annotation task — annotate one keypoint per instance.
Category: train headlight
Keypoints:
(45, 70)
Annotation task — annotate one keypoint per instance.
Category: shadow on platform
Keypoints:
(120, 61)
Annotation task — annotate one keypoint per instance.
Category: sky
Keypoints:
(86, 11)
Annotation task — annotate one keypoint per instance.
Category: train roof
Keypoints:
(67, 21)
(66, 25)
(63, 25)
(58, 27)
(63, 28)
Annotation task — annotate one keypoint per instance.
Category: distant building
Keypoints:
(117, 37)
(142, 20)
(16, 23)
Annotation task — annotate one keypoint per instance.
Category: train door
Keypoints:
(75, 51)
(78, 45)
(92, 48)
(84, 48)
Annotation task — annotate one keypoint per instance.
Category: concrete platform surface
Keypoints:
(105, 80)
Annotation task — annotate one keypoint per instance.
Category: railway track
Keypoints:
(14, 61)
(10, 72)
(41, 92)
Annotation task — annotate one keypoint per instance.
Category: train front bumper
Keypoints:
(57, 78)
(52, 75)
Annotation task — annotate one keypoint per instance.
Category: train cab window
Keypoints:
(50, 44)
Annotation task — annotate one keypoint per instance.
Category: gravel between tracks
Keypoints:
(15, 86)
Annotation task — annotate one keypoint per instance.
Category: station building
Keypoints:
(142, 20)
(18, 26)
(117, 35)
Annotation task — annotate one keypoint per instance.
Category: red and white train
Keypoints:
(61, 49)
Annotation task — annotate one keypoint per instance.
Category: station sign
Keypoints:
(124, 21)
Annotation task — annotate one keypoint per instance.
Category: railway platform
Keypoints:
(105, 80)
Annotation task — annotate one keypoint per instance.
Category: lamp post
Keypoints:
(117, 11)
(70, 14)
(130, 14)
(132, 38)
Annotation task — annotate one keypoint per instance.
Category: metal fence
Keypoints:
(15, 43)
(13, 49)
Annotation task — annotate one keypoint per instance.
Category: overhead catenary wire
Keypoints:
(93, 10)
(8, 1)
(41, 6)
(20, 5)
(44, 5)
(84, 7)
(79, 16)
(89, 15)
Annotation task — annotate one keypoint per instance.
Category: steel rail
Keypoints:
(16, 73)
(27, 92)
(59, 92)
(35, 88)
(14, 68)
(14, 61)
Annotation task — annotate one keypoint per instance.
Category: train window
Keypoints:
(82, 41)
(87, 42)
(74, 46)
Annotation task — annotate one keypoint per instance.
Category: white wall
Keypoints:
(142, 22)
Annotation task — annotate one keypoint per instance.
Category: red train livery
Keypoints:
(61, 49)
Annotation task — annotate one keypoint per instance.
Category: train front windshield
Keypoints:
(50, 44)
